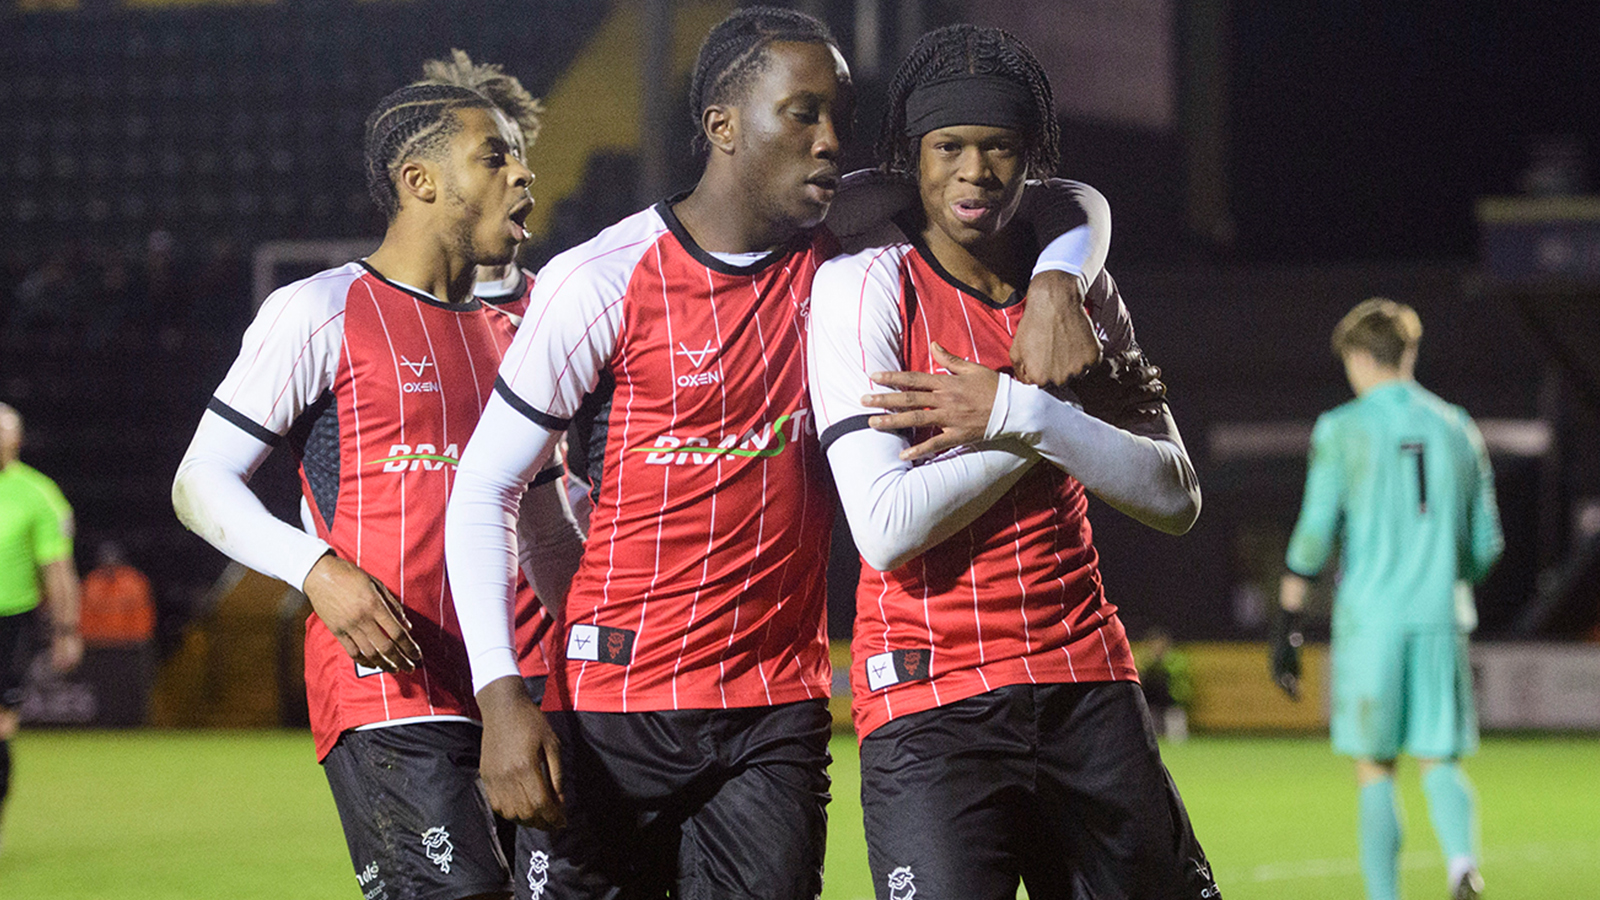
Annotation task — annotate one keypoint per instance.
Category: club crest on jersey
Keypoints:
(538, 873)
(902, 884)
(436, 843)
(424, 457)
(769, 439)
(599, 643)
(886, 669)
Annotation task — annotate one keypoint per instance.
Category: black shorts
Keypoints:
(17, 650)
(1060, 786)
(414, 813)
(693, 804)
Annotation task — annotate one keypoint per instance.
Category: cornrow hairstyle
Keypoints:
(416, 121)
(969, 50)
(735, 52)
(490, 80)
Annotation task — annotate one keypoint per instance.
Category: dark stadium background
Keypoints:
(1312, 154)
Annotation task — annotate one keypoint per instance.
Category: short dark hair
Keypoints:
(735, 52)
(969, 50)
(490, 80)
(1381, 327)
(417, 120)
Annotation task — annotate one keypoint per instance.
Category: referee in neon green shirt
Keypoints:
(1402, 479)
(35, 560)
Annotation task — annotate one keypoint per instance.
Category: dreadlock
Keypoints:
(734, 53)
(490, 80)
(416, 121)
(969, 50)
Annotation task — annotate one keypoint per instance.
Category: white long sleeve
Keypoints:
(480, 535)
(897, 510)
(1149, 478)
(212, 497)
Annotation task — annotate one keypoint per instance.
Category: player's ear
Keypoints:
(720, 124)
(416, 178)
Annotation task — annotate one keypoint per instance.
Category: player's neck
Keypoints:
(413, 256)
(718, 215)
(996, 266)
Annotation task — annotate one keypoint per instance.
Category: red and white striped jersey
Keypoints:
(683, 378)
(376, 387)
(1015, 597)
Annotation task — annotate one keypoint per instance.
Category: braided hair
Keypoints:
(969, 50)
(416, 121)
(490, 80)
(735, 52)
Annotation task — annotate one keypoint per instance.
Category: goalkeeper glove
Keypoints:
(1285, 641)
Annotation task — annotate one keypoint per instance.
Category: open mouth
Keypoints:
(971, 210)
(519, 215)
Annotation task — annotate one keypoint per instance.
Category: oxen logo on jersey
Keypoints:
(538, 873)
(417, 369)
(436, 843)
(767, 440)
(900, 884)
(599, 643)
(697, 357)
(886, 669)
(426, 457)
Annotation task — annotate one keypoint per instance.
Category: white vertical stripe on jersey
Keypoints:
(444, 436)
(394, 359)
(711, 530)
(806, 462)
(766, 462)
(1022, 587)
(666, 479)
(927, 622)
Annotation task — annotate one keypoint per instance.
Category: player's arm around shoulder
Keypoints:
(1056, 339)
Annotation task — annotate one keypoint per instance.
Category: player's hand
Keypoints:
(66, 651)
(958, 403)
(366, 619)
(1122, 388)
(1055, 339)
(521, 762)
(1285, 643)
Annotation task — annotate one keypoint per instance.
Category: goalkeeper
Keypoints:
(1402, 478)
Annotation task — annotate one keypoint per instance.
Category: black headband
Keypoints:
(970, 100)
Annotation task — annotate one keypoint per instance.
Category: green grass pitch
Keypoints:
(243, 815)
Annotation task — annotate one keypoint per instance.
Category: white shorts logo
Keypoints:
(436, 842)
(538, 872)
(881, 674)
(583, 642)
(900, 886)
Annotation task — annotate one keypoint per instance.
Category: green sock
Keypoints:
(1453, 810)
(1380, 840)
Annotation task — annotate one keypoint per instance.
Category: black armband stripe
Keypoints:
(244, 422)
(541, 419)
(546, 476)
(841, 428)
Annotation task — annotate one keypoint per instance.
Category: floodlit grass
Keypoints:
(178, 815)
